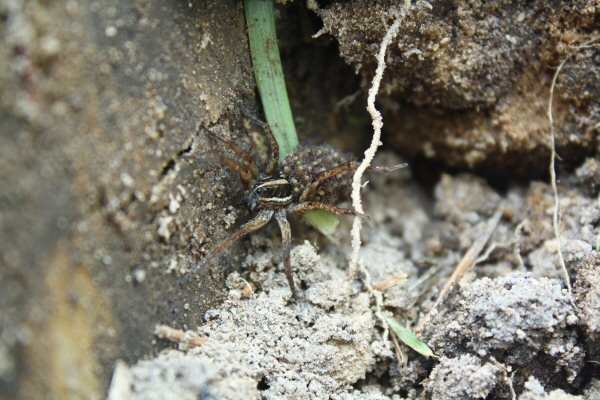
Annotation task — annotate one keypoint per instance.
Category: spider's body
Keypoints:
(309, 178)
(306, 162)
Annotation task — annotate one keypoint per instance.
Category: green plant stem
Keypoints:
(260, 18)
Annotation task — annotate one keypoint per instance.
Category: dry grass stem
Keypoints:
(402, 360)
(465, 263)
(556, 213)
(389, 283)
(485, 255)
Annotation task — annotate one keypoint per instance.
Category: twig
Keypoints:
(463, 266)
(556, 213)
(178, 336)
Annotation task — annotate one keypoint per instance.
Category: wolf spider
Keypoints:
(309, 178)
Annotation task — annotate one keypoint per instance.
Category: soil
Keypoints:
(109, 196)
(469, 80)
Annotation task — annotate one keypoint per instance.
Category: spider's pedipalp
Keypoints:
(286, 241)
(254, 224)
(274, 147)
(274, 159)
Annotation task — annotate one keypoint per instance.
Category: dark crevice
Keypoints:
(180, 154)
(168, 167)
(184, 151)
(263, 384)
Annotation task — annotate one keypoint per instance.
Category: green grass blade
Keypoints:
(408, 338)
(325, 222)
(260, 17)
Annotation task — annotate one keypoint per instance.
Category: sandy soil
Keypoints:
(108, 198)
(510, 325)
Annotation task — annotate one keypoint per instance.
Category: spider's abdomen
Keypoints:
(303, 165)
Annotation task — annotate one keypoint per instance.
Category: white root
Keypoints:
(556, 213)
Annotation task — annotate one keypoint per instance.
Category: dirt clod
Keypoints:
(519, 320)
(468, 81)
(587, 300)
(462, 378)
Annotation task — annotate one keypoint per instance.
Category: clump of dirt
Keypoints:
(525, 239)
(534, 390)
(104, 196)
(518, 320)
(468, 82)
(464, 377)
(312, 348)
(587, 300)
(588, 176)
(108, 197)
(174, 374)
(493, 334)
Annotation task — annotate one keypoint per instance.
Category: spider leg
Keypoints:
(324, 175)
(286, 241)
(254, 224)
(274, 147)
(237, 167)
(237, 150)
(338, 170)
(311, 205)
(270, 137)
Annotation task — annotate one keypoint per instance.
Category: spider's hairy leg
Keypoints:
(270, 137)
(338, 170)
(238, 151)
(324, 175)
(301, 208)
(286, 241)
(274, 147)
(237, 167)
(254, 224)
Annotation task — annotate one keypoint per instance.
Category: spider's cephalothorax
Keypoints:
(269, 191)
(309, 178)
